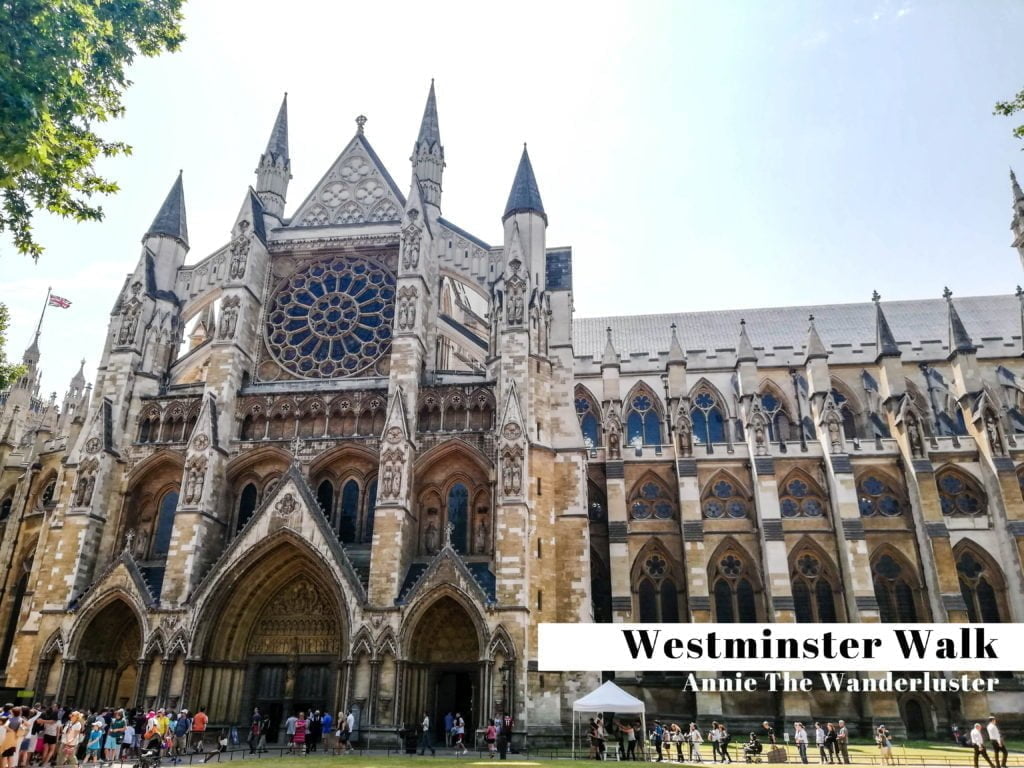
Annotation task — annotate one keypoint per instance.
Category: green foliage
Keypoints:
(8, 373)
(62, 71)
(1010, 108)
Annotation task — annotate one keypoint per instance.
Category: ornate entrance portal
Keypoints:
(275, 643)
(107, 668)
(445, 672)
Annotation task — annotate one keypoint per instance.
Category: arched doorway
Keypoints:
(445, 671)
(108, 657)
(914, 718)
(273, 639)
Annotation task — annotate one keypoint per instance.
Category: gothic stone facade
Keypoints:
(353, 457)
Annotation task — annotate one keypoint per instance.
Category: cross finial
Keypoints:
(946, 293)
(673, 326)
(128, 539)
(296, 448)
(876, 297)
(360, 122)
(810, 318)
(448, 531)
(742, 322)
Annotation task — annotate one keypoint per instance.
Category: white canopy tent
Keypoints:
(608, 698)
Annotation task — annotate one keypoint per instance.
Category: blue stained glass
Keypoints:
(164, 524)
(712, 509)
(737, 509)
(642, 403)
(723, 490)
(769, 402)
(837, 397)
(797, 488)
(873, 485)
(458, 516)
(704, 401)
(663, 510)
(867, 507)
(948, 507)
(968, 504)
(813, 508)
(790, 508)
(641, 511)
(652, 429)
(582, 405)
(591, 433)
(650, 491)
(634, 428)
(952, 484)
(889, 506)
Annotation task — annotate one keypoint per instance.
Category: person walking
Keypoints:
(843, 742)
(199, 723)
(301, 730)
(327, 732)
(449, 724)
(713, 736)
(884, 741)
(69, 738)
(657, 736)
(978, 742)
(491, 738)
(723, 743)
(800, 738)
(676, 738)
(819, 739)
(831, 739)
(425, 743)
(460, 735)
(695, 740)
(314, 730)
(629, 733)
(996, 739)
(289, 730)
(255, 730)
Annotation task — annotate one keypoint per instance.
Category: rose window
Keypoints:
(332, 318)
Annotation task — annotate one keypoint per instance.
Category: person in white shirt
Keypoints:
(425, 743)
(978, 742)
(996, 738)
(800, 737)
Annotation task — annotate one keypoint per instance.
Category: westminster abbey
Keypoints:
(351, 458)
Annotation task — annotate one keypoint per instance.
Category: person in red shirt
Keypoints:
(199, 723)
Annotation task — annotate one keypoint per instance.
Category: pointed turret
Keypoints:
(745, 350)
(275, 167)
(959, 339)
(610, 356)
(525, 195)
(885, 342)
(31, 356)
(428, 154)
(1017, 222)
(74, 395)
(675, 349)
(170, 219)
(815, 347)
(676, 367)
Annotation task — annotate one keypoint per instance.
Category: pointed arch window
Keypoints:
(657, 594)
(877, 497)
(723, 498)
(982, 587)
(348, 519)
(960, 495)
(589, 417)
(5, 509)
(247, 501)
(650, 500)
(779, 424)
(799, 496)
(597, 504)
(325, 497)
(600, 589)
(164, 524)
(458, 516)
(643, 423)
(895, 596)
(814, 591)
(708, 418)
(48, 491)
(733, 590)
(845, 409)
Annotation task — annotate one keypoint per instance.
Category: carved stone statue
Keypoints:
(613, 446)
(141, 542)
(430, 538)
(685, 440)
(228, 317)
(835, 436)
(129, 323)
(515, 306)
(994, 439)
(239, 252)
(759, 442)
(916, 447)
(195, 478)
(480, 536)
(411, 237)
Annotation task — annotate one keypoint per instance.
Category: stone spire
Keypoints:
(78, 380)
(275, 166)
(959, 339)
(525, 195)
(170, 219)
(428, 154)
(885, 343)
(745, 350)
(31, 356)
(610, 356)
(815, 347)
(675, 349)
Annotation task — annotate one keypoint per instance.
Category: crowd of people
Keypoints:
(55, 736)
(304, 734)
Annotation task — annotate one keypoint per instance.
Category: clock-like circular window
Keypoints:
(332, 318)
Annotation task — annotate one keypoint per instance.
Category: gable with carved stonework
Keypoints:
(357, 189)
(298, 619)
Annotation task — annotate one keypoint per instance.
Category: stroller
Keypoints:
(148, 758)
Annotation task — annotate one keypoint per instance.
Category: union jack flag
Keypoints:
(57, 301)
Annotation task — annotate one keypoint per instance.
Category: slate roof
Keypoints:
(170, 220)
(525, 195)
(277, 145)
(430, 131)
(994, 322)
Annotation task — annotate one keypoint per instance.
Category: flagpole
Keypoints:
(43, 313)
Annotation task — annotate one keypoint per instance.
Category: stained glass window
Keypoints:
(799, 498)
(643, 425)
(877, 497)
(458, 516)
(813, 593)
(959, 495)
(846, 411)
(733, 591)
(348, 520)
(332, 318)
(979, 585)
(708, 420)
(894, 594)
(164, 524)
(246, 505)
(589, 423)
(651, 502)
(371, 511)
(325, 497)
(778, 420)
(724, 499)
(657, 596)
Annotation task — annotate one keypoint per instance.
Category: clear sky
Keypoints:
(695, 155)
